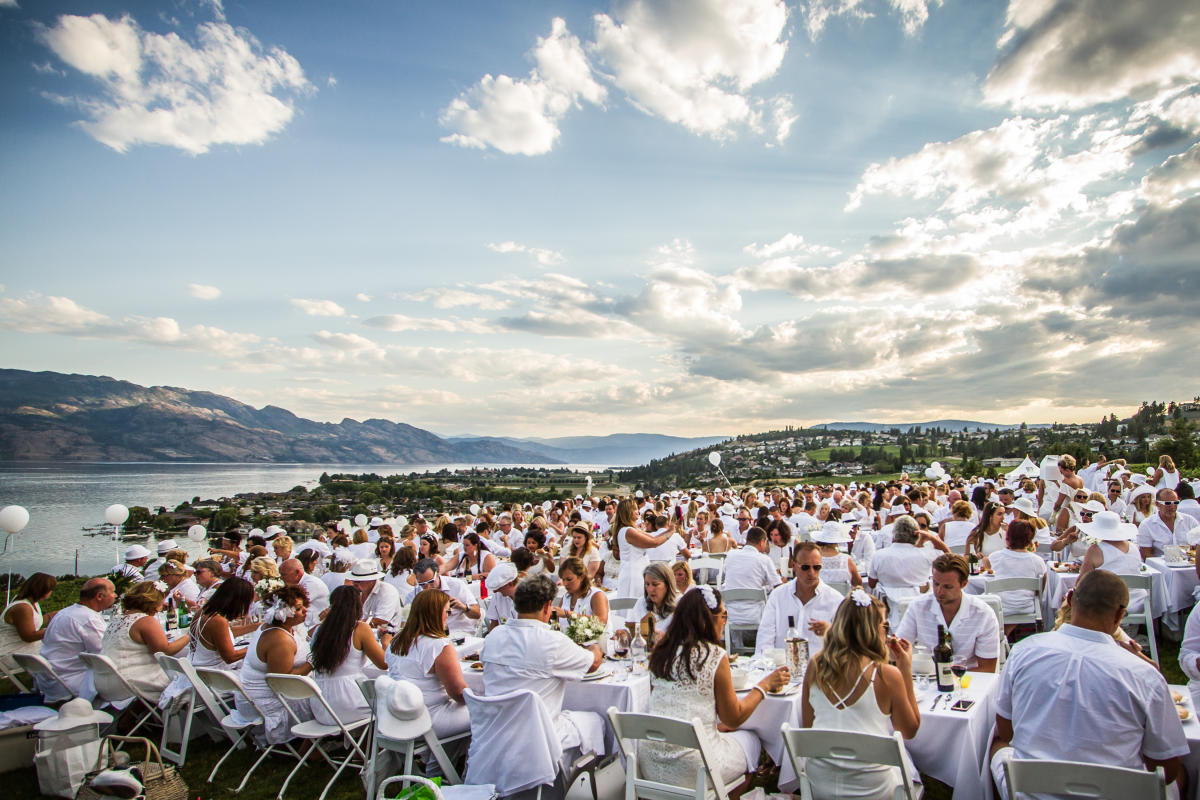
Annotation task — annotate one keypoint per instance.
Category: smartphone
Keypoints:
(962, 705)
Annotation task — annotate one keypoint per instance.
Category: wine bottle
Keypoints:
(943, 659)
(637, 649)
(796, 647)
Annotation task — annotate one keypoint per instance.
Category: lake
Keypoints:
(63, 498)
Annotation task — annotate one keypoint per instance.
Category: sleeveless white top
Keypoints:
(416, 667)
(835, 569)
(11, 641)
(1125, 564)
(1169, 480)
(341, 691)
(133, 661)
(634, 561)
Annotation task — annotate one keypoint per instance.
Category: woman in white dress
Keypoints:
(850, 686)
(1166, 476)
(22, 624)
(691, 679)
(340, 650)
(132, 639)
(400, 575)
(211, 634)
(275, 648)
(632, 544)
(987, 536)
(779, 537)
(957, 529)
(584, 548)
(423, 654)
(1018, 560)
(1141, 504)
(1115, 551)
(659, 597)
(836, 566)
(580, 598)
(474, 562)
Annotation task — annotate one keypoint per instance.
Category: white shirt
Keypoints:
(1189, 651)
(1104, 704)
(1018, 564)
(74, 630)
(747, 568)
(529, 654)
(382, 603)
(783, 603)
(318, 598)
(902, 565)
(668, 550)
(957, 532)
(974, 631)
(1189, 507)
(1154, 533)
(500, 608)
(188, 589)
(459, 622)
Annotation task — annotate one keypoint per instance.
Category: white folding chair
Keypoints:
(120, 691)
(998, 586)
(303, 688)
(864, 748)
(633, 728)
(841, 587)
(47, 681)
(621, 603)
(959, 549)
(898, 600)
(1077, 779)
(739, 595)
(198, 697)
(9, 669)
(237, 726)
(409, 747)
(1146, 615)
(714, 569)
(997, 605)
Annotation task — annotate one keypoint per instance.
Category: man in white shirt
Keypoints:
(1165, 526)
(810, 603)
(526, 653)
(512, 536)
(76, 629)
(501, 583)
(163, 547)
(606, 512)
(742, 528)
(902, 568)
(670, 549)
(381, 601)
(292, 573)
(1104, 705)
(971, 623)
(749, 568)
(464, 608)
(1187, 500)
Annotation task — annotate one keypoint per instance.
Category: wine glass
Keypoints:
(959, 669)
(620, 644)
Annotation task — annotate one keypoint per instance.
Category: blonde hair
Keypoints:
(686, 569)
(266, 565)
(142, 597)
(284, 542)
(856, 631)
(1165, 462)
(360, 536)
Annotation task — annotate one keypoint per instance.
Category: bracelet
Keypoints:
(761, 690)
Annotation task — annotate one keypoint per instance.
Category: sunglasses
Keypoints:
(813, 567)
(429, 582)
(1168, 502)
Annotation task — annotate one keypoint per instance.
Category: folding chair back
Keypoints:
(632, 729)
(997, 606)
(714, 569)
(863, 748)
(621, 603)
(45, 678)
(741, 595)
(1146, 615)
(841, 587)
(112, 687)
(1076, 779)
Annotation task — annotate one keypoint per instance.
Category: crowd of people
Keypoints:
(863, 573)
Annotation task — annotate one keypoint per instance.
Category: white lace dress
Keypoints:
(133, 661)
(835, 569)
(11, 641)
(687, 698)
(253, 675)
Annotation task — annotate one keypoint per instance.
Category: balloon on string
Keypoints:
(474, 509)
(343, 525)
(360, 520)
(547, 505)
(935, 465)
(931, 473)
(13, 519)
(197, 533)
(714, 458)
(116, 514)
(400, 521)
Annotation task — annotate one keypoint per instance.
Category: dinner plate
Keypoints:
(597, 675)
(786, 691)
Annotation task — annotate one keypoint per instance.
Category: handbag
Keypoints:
(160, 781)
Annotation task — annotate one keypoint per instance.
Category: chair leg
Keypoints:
(236, 744)
(295, 769)
(439, 754)
(1150, 637)
(253, 767)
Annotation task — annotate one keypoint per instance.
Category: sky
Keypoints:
(692, 217)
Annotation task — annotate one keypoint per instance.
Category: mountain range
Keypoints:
(51, 416)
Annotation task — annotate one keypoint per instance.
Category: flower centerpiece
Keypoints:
(585, 630)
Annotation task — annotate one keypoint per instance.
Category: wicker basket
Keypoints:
(161, 782)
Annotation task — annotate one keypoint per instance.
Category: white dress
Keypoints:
(835, 569)
(11, 641)
(1125, 564)
(416, 667)
(693, 698)
(634, 561)
(993, 543)
(133, 661)
(200, 654)
(341, 690)
(835, 778)
(253, 675)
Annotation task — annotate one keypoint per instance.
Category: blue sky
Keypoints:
(713, 216)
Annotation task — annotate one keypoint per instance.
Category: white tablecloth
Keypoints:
(1191, 729)
(1059, 583)
(767, 721)
(1179, 581)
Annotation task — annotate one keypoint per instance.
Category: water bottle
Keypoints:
(638, 650)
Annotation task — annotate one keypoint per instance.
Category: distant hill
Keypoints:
(944, 424)
(49, 416)
(618, 449)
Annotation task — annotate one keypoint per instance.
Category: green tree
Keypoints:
(138, 515)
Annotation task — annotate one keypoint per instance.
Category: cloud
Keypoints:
(1078, 53)
(818, 13)
(521, 116)
(362, 297)
(790, 243)
(400, 322)
(9, 4)
(695, 68)
(160, 89)
(318, 308)
(455, 298)
(201, 291)
(547, 258)
(1174, 179)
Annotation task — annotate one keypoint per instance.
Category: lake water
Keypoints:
(63, 498)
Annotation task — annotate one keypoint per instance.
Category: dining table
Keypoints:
(1179, 583)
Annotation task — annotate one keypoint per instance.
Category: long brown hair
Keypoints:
(331, 644)
(975, 537)
(626, 517)
(856, 631)
(692, 626)
(576, 566)
(424, 619)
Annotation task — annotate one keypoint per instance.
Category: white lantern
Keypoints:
(116, 514)
(13, 519)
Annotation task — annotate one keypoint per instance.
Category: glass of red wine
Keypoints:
(959, 670)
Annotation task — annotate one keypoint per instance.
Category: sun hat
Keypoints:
(1094, 506)
(136, 551)
(832, 533)
(400, 711)
(501, 575)
(365, 569)
(897, 509)
(74, 714)
(167, 546)
(1108, 527)
(1145, 488)
(272, 532)
(1024, 505)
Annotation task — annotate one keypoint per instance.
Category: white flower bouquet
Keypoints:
(266, 586)
(585, 630)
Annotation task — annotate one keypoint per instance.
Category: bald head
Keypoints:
(291, 571)
(98, 594)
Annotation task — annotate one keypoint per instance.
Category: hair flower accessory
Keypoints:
(162, 587)
(860, 598)
(710, 597)
(277, 611)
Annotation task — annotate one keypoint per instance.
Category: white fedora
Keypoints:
(167, 546)
(1108, 527)
(365, 569)
(136, 551)
(399, 709)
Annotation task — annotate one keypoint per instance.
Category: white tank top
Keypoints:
(1169, 480)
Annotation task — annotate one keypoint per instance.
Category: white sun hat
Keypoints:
(400, 710)
(74, 714)
(136, 551)
(1108, 527)
(365, 569)
(832, 533)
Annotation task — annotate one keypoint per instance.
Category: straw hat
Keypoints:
(365, 569)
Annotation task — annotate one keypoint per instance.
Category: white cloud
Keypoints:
(792, 243)
(201, 291)
(455, 298)
(9, 4)
(1075, 55)
(318, 308)
(401, 322)
(547, 258)
(520, 116)
(695, 68)
(160, 89)
(1175, 179)
(362, 297)
(818, 13)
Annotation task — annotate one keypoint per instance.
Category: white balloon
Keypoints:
(474, 509)
(401, 521)
(935, 465)
(547, 505)
(931, 473)
(116, 514)
(360, 520)
(13, 519)
(343, 525)
(197, 533)
(714, 458)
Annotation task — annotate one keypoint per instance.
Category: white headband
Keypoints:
(710, 597)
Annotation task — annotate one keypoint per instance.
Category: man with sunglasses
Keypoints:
(464, 608)
(806, 599)
(1166, 526)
